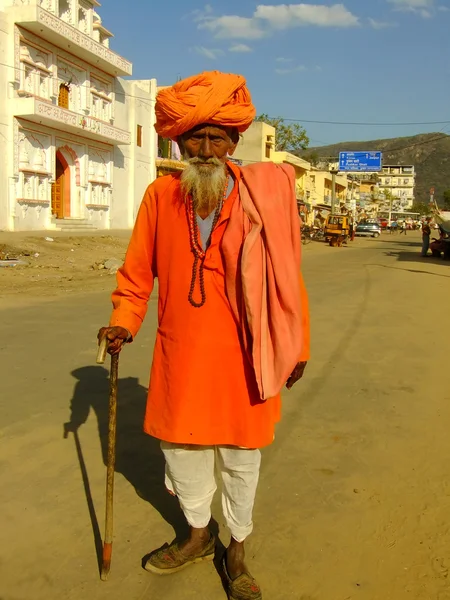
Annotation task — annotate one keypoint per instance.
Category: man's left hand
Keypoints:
(296, 374)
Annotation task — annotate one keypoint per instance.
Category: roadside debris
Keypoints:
(12, 262)
(112, 265)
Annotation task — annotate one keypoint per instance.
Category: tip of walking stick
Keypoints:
(101, 352)
(105, 571)
(106, 561)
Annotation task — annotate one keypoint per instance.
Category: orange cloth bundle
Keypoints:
(211, 97)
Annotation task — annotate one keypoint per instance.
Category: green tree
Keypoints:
(446, 200)
(290, 138)
(421, 207)
(312, 157)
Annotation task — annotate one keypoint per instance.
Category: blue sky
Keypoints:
(356, 61)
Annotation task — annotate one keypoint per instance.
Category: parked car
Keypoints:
(368, 229)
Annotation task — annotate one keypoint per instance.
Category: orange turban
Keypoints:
(210, 97)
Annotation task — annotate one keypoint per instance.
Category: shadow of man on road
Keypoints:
(138, 455)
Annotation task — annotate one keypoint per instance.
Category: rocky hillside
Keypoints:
(429, 153)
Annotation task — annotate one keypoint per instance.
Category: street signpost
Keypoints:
(355, 162)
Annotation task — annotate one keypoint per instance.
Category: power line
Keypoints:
(150, 102)
(311, 121)
(366, 124)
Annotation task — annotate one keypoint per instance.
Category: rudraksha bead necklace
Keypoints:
(196, 247)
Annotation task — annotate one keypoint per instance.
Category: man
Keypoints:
(426, 232)
(352, 230)
(232, 313)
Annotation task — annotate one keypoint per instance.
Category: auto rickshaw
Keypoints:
(337, 229)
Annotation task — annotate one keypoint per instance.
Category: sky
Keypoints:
(359, 61)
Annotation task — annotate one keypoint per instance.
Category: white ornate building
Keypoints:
(77, 142)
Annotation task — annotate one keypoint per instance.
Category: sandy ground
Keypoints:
(65, 264)
(354, 493)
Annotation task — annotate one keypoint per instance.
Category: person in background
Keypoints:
(426, 232)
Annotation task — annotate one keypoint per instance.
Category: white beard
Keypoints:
(204, 183)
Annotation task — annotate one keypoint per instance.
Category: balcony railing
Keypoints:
(38, 111)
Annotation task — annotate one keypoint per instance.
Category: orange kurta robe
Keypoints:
(202, 386)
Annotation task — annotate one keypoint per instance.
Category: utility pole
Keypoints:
(352, 202)
(333, 172)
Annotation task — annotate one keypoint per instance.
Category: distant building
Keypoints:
(257, 144)
(77, 142)
(322, 187)
(399, 182)
(302, 182)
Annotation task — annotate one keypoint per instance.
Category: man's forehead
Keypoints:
(210, 128)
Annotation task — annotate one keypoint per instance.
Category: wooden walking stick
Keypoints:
(107, 542)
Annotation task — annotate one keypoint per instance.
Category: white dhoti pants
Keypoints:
(190, 475)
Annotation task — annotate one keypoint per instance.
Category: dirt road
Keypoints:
(354, 494)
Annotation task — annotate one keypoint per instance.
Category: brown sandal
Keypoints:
(243, 587)
(170, 559)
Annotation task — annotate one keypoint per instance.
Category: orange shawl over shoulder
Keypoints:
(262, 278)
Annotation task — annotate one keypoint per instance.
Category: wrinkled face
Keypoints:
(209, 141)
(206, 149)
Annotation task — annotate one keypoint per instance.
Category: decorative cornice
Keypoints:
(37, 17)
(83, 40)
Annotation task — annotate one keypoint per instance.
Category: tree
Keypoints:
(289, 138)
(421, 207)
(446, 200)
(312, 157)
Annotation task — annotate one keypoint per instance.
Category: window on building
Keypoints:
(35, 76)
(101, 100)
(139, 136)
(268, 149)
(64, 94)
(74, 79)
(101, 107)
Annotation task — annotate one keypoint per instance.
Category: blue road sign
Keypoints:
(360, 161)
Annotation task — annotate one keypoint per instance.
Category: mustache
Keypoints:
(209, 161)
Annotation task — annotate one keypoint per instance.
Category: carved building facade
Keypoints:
(77, 141)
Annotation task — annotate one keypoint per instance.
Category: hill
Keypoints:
(429, 153)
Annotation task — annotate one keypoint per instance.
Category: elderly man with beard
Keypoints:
(223, 242)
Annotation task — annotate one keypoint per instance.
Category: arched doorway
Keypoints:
(61, 188)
